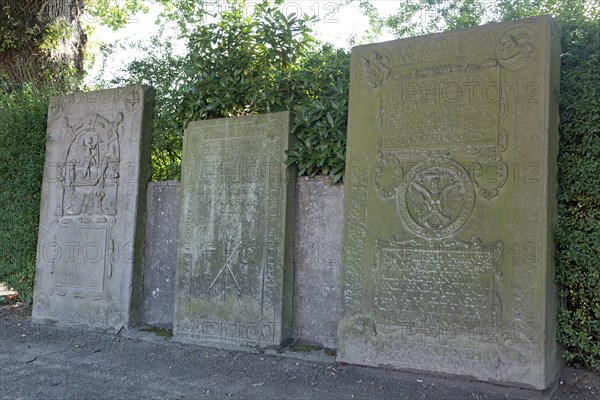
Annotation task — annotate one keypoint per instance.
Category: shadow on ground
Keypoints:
(51, 362)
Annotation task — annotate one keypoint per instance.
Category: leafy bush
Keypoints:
(578, 231)
(248, 64)
(268, 63)
(23, 112)
(241, 65)
(321, 115)
(162, 69)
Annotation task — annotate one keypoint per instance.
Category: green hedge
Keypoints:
(578, 231)
(23, 112)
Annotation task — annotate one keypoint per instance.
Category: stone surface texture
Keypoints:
(160, 252)
(89, 255)
(450, 204)
(235, 257)
(318, 249)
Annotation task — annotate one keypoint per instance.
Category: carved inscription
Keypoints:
(441, 110)
(453, 284)
(233, 226)
(355, 246)
(81, 263)
(243, 130)
(436, 48)
(257, 333)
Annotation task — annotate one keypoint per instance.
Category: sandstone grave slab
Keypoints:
(234, 269)
(450, 204)
(89, 256)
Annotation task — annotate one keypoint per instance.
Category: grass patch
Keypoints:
(163, 332)
(304, 348)
(330, 352)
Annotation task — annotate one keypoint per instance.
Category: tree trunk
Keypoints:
(40, 40)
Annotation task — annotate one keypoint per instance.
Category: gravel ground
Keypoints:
(50, 362)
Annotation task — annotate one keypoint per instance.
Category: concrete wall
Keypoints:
(160, 252)
(318, 243)
(318, 246)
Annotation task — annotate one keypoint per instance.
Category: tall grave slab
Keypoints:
(450, 204)
(89, 258)
(234, 270)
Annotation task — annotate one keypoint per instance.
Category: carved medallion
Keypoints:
(436, 198)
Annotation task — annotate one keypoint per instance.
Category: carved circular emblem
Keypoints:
(436, 197)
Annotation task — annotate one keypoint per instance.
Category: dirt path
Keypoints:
(44, 362)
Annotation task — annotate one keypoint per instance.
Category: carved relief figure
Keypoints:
(98, 196)
(67, 128)
(118, 124)
(90, 157)
(57, 107)
(70, 173)
(516, 47)
(377, 70)
(91, 167)
(131, 99)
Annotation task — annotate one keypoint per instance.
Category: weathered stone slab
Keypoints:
(318, 250)
(89, 256)
(234, 270)
(450, 203)
(160, 252)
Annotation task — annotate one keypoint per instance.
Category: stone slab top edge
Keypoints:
(145, 88)
(532, 19)
(234, 119)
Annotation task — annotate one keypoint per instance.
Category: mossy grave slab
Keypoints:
(235, 270)
(450, 203)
